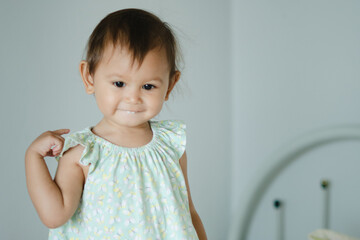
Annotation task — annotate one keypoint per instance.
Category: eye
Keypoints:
(119, 84)
(148, 86)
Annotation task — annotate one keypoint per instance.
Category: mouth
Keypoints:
(130, 111)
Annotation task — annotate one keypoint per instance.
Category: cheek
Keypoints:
(156, 101)
(163, 92)
(105, 101)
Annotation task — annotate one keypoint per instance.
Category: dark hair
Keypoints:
(138, 30)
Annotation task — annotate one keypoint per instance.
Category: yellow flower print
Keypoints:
(128, 211)
(127, 178)
(109, 209)
(114, 219)
(132, 195)
(164, 201)
(173, 210)
(100, 200)
(177, 174)
(123, 168)
(175, 226)
(118, 235)
(97, 211)
(74, 229)
(129, 221)
(92, 181)
(148, 187)
(100, 219)
(108, 229)
(163, 234)
(112, 166)
(124, 159)
(133, 231)
(151, 219)
(106, 176)
(110, 199)
(97, 232)
(103, 188)
(155, 207)
(149, 230)
(118, 192)
(121, 205)
(106, 154)
(87, 218)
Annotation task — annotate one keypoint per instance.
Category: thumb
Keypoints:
(61, 131)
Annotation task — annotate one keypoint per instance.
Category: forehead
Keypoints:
(121, 58)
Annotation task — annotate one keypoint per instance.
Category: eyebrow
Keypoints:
(157, 79)
(114, 75)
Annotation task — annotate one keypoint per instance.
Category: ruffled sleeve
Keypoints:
(91, 150)
(172, 134)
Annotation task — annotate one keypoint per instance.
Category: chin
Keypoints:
(133, 122)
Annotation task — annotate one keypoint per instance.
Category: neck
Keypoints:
(124, 135)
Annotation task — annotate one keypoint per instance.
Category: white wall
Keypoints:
(41, 45)
(295, 68)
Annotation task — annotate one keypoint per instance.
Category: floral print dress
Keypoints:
(131, 193)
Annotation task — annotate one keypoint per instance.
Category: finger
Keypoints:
(58, 146)
(54, 152)
(59, 137)
(61, 131)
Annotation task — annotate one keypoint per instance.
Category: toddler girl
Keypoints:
(126, 177)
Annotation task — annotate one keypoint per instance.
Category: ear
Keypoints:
(86, 77)
(174, 79)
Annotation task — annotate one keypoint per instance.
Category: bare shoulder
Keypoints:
(71, 158)
(72, 155)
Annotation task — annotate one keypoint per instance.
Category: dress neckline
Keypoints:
(115, 146)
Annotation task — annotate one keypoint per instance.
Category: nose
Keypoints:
(133, 95)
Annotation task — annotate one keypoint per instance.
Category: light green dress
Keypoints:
(131, 193)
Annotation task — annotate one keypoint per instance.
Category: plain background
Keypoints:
(256, 75)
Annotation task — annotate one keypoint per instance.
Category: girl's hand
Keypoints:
(48, 144)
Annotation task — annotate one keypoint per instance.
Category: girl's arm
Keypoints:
(54, 200)
(199, 227)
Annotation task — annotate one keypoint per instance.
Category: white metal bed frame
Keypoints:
(271, 168)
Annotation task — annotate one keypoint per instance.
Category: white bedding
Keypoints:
(325, 234)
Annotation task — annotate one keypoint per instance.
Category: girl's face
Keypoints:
(129, 94)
